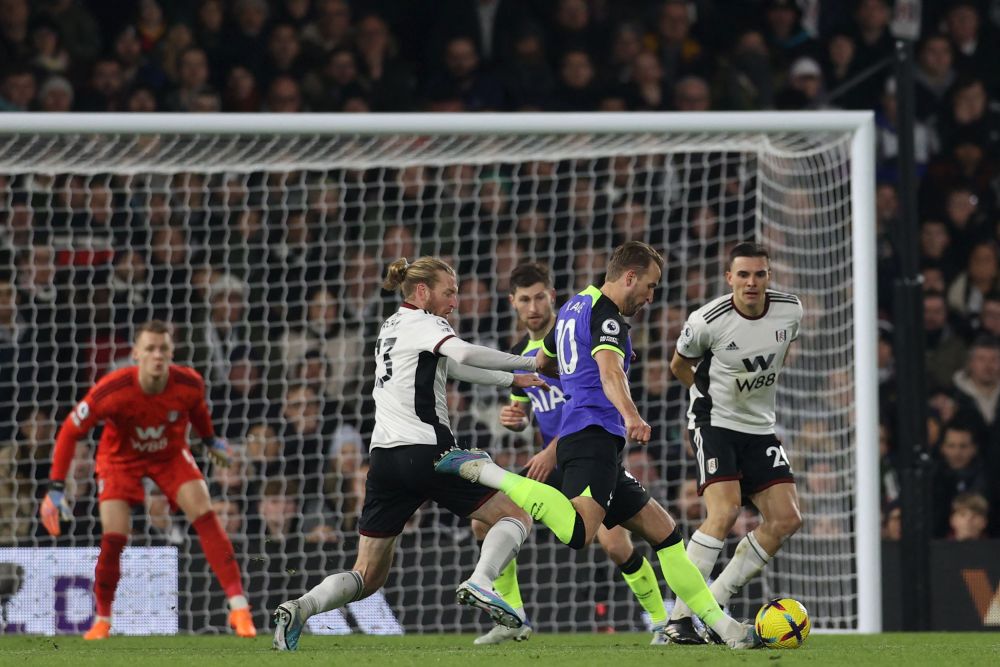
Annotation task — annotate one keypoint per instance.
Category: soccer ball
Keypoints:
(783, 623)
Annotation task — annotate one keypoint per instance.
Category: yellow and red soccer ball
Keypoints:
(783, 623)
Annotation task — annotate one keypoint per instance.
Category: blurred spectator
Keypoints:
(960, 470)
(978, 384)
(136, 66)
(15, 38)
(805, 85)
(105, 89)
(934, 75)
(744, 78)
(56, 94)
(329, 88)
(680, 52)
(51, 58)
(388, 80)
(192, 77)
(491, 24)
(246, 41)
(892, 524)
(944, 351)
(887, 127)
(527, 76)
(969, 109)
(839, 67)
(969, 518)
(786, 36)
(576, 88)
(150, 24)
(873, 41)
(330, 30)
(463, 78)
(284, 53)
(241, 93)
(975, 52)
(17, 89)
(284, 96)
(981, 276)
(692, 94)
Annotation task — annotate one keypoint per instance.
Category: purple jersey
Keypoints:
(587, 323)
(545, 405)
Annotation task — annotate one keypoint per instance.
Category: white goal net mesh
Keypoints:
(267, 252)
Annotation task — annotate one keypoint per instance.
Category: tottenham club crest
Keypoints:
(781, 335)
(611, 327)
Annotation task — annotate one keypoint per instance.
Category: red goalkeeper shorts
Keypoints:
(123, 480)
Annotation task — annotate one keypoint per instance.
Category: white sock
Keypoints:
(106, 619)
(703, 550)
(500, 546)
(492, 475)
(749, 559)
(238, 602)
(332, 593)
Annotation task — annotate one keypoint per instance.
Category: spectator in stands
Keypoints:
(388, 80)
(78, 31)
(648, 91)
(137, 68)
(744, 76)
(874, 42)
(329, 88)
(936, 248)
(805, 85)
(17, 89)
(105, 89)
(464, 78)
(680, 52)
(692, 94)
(978, 384)
(892, 523)
(945, 351)
(840, 65)
(241, 93)
(284, 96)
(989, 316)
(786, 37)
(241, 399)
(960, 470)
(326, 332)
(50, 57)
(246, 41)
(969, 518)
(968, 107)
(284, 53)
(192, 77)
(887, 124)
(975, 52)
(330, 30)
(56, 94)
(981, 276)
(934, 75)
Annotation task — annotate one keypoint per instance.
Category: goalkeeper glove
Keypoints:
(218, 450)
(55, 508)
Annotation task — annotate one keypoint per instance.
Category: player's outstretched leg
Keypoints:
(541, 501)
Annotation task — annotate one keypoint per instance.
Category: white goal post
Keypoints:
(801, 183)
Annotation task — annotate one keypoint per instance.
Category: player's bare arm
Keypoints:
(615, 385)
(683, 368)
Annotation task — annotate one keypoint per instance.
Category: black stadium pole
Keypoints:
(911, 432)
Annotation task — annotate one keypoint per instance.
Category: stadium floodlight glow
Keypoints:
(266, 210)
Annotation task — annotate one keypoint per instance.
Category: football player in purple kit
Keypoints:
(533, 298)
(592, 344)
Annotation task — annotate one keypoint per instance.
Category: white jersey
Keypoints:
(410, 376)
(741, 358)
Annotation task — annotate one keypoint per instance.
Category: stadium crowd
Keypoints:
(273, 279)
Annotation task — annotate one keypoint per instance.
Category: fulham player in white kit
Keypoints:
(416, 352)
(730, 354)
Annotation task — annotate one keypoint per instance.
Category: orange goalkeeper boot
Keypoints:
(99, 630)
(242, 622)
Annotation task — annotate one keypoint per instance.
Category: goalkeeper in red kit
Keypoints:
(146, 410)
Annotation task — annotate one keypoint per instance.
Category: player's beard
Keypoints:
(544, 327)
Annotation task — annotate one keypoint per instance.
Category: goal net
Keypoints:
(264, 241)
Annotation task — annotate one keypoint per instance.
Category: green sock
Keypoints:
(687, 583)
(543, 503)
(647, 591)
(506, 585)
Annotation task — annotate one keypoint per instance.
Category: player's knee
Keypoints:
(787, 524)
(723, 516)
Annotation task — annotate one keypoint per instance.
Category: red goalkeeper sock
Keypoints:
(219, 552)
(108, 571)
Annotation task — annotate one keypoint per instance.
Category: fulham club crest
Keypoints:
(781, 335)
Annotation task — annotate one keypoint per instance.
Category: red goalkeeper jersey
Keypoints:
(137, 425)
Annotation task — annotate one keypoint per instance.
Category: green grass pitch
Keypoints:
(568, 650)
